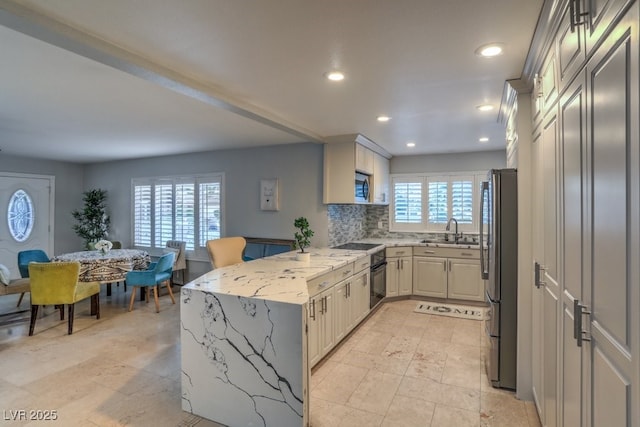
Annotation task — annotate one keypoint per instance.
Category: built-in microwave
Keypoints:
(362, 188)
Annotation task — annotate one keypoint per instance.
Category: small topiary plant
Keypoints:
(303, 236)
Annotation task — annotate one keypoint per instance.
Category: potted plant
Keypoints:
(302, 238)
(93, 221)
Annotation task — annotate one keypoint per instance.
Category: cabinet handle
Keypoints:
(346, 273)
(578, 312)
(430, 252)
(466, 254)
(348, 293)
(401, 264)
(397, 264)
(575, 15)
(537, 279)
(313, 311)
(399, 252)
(449, 265)
(444, 264)
(323, 284)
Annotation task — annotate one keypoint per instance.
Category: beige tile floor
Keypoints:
(398, 368)
(401, 368)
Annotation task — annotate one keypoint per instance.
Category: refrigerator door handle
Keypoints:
(484, 272)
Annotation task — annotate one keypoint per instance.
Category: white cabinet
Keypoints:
(338, 302)
(430, 276)
(343, 156)
(464, 280)
(364, 159)
(399, 271)
(447, 273)
(380, 180)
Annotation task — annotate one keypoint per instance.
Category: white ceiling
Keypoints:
(94, 80)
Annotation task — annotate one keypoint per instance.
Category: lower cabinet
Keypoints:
(335, 309)
(448, 273)
(399, 271)
(464, 280)
(430, 277)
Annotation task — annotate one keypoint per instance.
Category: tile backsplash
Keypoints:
(356, 222)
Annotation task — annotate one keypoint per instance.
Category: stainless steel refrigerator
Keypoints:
(499, 266)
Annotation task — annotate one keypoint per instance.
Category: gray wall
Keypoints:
(68, 195)
(298, 168)
(450, 162)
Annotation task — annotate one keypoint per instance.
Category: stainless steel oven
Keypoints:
(378, 278)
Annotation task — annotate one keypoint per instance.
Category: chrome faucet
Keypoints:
(448, 227)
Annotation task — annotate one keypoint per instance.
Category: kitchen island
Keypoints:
(243, 339)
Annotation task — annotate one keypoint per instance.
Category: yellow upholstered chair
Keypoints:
(56, 283)
(226, 251)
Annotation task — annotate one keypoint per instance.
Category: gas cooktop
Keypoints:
(356, 246)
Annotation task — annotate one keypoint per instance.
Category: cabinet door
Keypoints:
(464, 280)
(364, 159)
(380, 179)
(430, 276)
(612, 235)
(393, 268)
(343, 308)
(313, 332)
(360, 296)
(327, 333)
(571, 50)
(405, 276)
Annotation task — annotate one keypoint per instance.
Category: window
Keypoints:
(186, 208)
(425, 202)
(20, 216)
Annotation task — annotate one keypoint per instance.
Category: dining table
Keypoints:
(106, 267)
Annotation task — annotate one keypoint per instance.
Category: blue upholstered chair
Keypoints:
(24, 258)
(158, 272)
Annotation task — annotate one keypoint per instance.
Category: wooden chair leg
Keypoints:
(133, 296)
(71, 310)
(173, 300)
(20, 299)
(146, 294)
(95, 305)
(155, 297)
(34, 315)
(61, 308)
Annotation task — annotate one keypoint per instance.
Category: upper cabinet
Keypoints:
(345, 155)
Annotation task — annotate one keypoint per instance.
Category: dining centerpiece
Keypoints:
(93, 220)
(103, 246)
(302, 238)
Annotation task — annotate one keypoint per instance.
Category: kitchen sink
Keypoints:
(448, 242)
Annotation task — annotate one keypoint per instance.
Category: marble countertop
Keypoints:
(284, 279)
(276, 278)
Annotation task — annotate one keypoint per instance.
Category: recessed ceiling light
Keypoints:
(490, 50)
(485, 107)
(411, 144)
(484, 139)
(383, 118)
(335, 76)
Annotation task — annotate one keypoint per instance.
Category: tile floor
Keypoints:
(398, 368)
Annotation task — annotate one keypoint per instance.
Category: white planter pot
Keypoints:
(303, 256)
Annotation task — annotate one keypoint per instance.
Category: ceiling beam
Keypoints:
(37, 25)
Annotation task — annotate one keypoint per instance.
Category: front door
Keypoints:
(27, 207)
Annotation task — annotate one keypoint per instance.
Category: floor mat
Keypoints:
(452, 310)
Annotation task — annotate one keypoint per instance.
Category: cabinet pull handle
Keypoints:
(537, 279)
(324, 304)
(578, 312)
(429, 252)
(401, 264)
(576, 17)
(348, 290)
(449, 265)
(466, 254)
(397, 264)
(323, 284)
(444, 264)
(313, 307)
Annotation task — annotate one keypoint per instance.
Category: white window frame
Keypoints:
(198, 252)
(425, 178)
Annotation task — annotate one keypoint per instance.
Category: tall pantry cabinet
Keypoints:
(586, 215)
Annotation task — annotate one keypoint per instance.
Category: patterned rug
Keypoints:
(452, 310)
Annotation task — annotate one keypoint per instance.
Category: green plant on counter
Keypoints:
(93, 221)
(303, 236)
